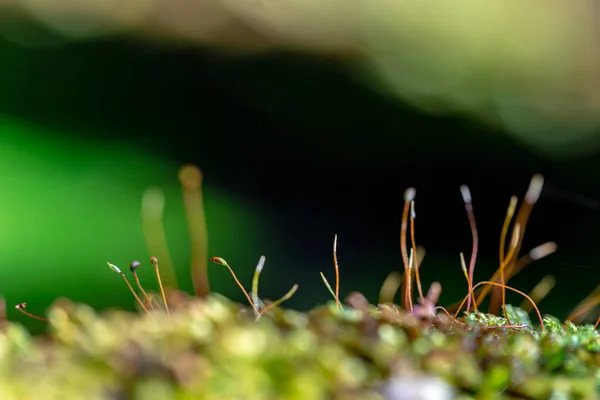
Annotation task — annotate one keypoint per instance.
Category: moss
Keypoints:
(212, 348)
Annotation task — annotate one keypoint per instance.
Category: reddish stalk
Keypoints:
(337, 274)
(220, 261)
(413, 215)
(469, 282)
(133, 268)
(466, 195)
(409, 281)
(21, 307)
(409, 196)
(154, 261)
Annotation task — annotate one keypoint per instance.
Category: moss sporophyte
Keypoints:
(208, 347)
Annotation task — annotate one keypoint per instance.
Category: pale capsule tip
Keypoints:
(410, 193)
(535, 189)
(466, 193)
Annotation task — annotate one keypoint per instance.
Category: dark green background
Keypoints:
(293, 149)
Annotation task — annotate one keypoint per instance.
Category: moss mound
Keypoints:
(216, 349)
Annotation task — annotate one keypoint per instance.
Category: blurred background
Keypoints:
(308, 120)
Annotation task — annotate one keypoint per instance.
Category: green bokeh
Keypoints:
(69, 207)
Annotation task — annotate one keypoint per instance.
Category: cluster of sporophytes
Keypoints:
(208, 347)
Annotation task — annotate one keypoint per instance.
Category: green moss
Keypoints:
(215, 349)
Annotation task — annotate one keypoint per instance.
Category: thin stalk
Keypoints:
(409, 196)
(21, 308)
(466, 195)
(413, 215)
(154, 261)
